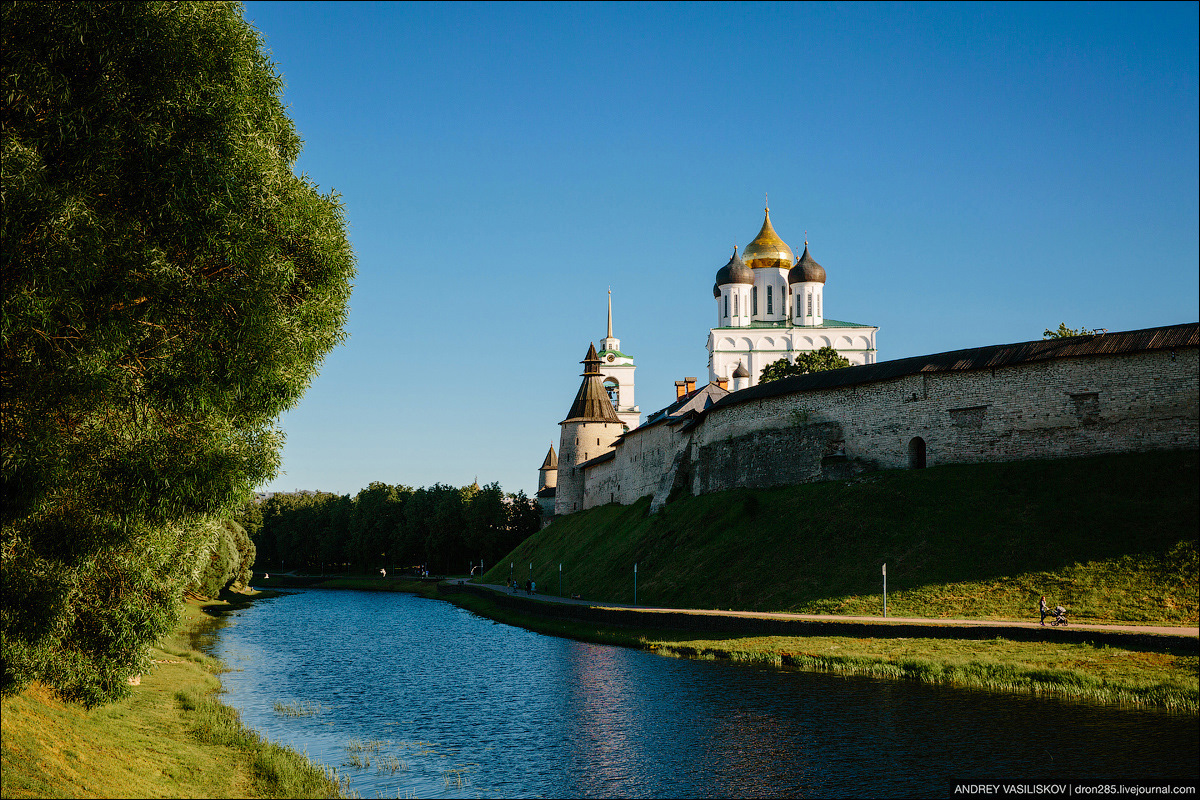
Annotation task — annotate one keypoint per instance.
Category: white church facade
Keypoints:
(771, 305)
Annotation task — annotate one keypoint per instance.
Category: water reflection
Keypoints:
(462, 707)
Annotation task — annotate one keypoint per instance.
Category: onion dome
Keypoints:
(735, 271)
(741, 371)
(767, 249)
(806, 270)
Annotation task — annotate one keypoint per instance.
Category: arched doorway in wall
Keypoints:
(916, 453)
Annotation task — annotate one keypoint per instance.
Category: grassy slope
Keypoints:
(1113, 538)
(170, 738)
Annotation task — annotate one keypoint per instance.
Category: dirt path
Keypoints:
(876, 624)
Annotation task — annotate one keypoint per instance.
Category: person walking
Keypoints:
(1045, 609)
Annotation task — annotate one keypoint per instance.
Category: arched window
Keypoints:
(818, 305)
(727, 305)
(916, 453)
(810, 304)
(754, 300)
(735, 305)
(769, 300)
(614, 392)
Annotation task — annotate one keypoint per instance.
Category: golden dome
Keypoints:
(767, 249)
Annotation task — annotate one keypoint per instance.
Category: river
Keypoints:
(412, 697)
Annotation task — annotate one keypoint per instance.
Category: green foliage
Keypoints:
(815, 361)
(441, 527)
(226, 560)
(170, 286)
(1063, 332)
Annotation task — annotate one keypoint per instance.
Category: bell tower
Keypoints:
(617, 369)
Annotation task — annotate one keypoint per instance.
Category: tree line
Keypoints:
(441, 528)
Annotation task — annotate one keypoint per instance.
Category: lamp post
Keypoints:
(635, 583)
(560, 579)
(885, 589)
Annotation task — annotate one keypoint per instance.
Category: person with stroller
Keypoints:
(1045, 609)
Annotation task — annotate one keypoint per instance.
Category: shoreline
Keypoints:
(171, 737)
(1151, 672)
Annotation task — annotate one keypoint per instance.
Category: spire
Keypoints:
(591, 362)
(551, 461)
(610, 314)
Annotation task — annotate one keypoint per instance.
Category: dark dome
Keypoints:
(735, 271)
(806, 270)
(741, 371)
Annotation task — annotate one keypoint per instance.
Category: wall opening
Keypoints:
(916, 453)
(613, 389)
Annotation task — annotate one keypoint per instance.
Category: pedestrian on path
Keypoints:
(1045, 609)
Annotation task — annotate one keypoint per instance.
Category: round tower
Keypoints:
(590, 429)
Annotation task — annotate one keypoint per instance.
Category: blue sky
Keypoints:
(968, 174)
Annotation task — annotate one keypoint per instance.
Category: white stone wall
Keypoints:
(1143, 401)
(579, 442)
(1048, 409)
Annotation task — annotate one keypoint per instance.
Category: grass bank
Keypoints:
(1110, 675)
(1113, 538)
(170, 738)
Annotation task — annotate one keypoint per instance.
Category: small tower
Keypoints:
(734, 283)
(617, 369)
(741, 377)
(590, 429)
(547, 485)
(806, 281)
(548, 471)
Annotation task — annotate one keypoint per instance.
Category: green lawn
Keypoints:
(1112, 538)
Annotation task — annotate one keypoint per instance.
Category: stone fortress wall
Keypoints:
(1100, 395)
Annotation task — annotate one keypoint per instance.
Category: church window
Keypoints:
(754, 300)
(769, 300)
(735, 305)
(810, 305)
(818, 305)
(727, 305)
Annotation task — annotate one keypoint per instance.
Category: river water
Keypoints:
(446, 703)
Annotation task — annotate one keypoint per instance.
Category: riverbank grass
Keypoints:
(169, 738)
(1110, 675)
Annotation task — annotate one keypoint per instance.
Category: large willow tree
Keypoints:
(169, 286)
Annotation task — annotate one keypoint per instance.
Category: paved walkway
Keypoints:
(1184, 632)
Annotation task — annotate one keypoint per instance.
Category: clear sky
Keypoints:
(968, 174)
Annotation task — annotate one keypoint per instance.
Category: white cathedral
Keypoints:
(769, 306)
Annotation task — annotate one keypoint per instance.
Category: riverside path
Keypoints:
(767, 623)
